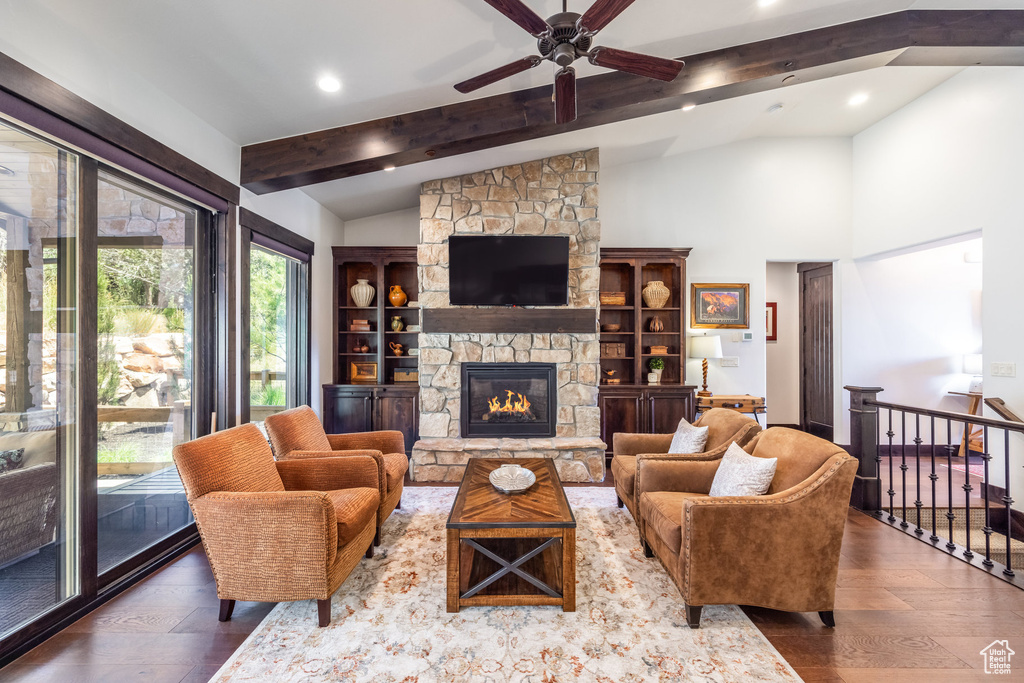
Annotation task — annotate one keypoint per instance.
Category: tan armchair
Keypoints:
(277, 531)
(297, 434)
(779, 550)
(724, 427)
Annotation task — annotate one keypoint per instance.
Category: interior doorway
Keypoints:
(816, 350)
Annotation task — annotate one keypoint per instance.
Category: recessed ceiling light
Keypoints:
(329, 84)
(775, 108)
(765, 3)
(6, 171)
(858, 99)
(689, 107)
(389, 168)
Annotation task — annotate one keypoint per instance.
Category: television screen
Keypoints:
(508, 270)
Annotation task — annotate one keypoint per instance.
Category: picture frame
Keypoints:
(771, 321)
(716, 305)
(363, 372)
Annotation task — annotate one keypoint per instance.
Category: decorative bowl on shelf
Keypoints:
(611, 327)
(512, 479)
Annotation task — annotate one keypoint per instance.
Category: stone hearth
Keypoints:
(553, 196)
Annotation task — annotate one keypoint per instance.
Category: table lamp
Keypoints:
(973, 366)
(705, 347)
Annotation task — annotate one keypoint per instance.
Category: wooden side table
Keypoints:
(741, 403)
(974, 441)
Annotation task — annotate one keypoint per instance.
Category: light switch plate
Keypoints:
(730, 361)
(1004, 369)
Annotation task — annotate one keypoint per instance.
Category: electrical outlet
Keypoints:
(1004, 369)
(730, 361)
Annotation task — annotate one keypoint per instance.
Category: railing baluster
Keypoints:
(968, 553)
(986, 456)
(950, 545)
(934, 478)
(1008, 502)
(892, 492)
(903, 466)
(917, 471)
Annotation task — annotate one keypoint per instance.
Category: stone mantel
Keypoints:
(577, 459)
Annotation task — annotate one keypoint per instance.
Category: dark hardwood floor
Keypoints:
(904, 612)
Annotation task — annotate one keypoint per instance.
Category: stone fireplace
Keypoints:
(508, 400)
(553, 196)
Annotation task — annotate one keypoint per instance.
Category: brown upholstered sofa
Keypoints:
(724, 427)
(277, 531)
(779, 550)
(297, 433)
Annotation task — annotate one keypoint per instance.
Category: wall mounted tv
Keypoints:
(508, 270)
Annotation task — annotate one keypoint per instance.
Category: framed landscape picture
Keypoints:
(714, 305)
(771, 321)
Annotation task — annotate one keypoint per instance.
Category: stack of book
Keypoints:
(359, 325)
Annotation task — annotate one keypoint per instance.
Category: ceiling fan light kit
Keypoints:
(562, 39)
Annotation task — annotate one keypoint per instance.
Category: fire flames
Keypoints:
(514, 403)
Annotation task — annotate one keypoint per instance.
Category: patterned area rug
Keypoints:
(389, 623)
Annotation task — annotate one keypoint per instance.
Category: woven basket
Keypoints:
(656, 294)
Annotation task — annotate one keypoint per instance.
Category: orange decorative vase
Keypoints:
(397, 296)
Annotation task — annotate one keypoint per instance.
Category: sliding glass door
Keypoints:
(39, 539)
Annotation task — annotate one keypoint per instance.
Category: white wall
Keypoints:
(737, 206)
(299, 213)
(394, 229)
(782, 357)
(947, 164)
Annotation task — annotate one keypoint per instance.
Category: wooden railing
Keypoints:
(177, 415)
(1000, 408)
(913, 452)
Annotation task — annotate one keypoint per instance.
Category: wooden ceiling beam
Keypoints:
(917, 37)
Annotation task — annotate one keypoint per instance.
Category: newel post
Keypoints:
(867, 487)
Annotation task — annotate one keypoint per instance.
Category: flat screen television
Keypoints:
(508, 270)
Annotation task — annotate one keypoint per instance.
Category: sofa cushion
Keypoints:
(740, 474)
(662, 512)
(688, 439)
(624, 473)
(395, 467)
(354, 508)
(11, 460)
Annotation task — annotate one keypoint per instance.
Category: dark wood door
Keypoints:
(664, 409)
(621, 411)
(816, 395)
(399, 409)
(348, 409)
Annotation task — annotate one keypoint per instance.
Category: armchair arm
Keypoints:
(634, 444)
(268, 546)
(329, 473)
(383, 441)
(779, 551)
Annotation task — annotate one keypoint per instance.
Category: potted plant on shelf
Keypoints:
(656, 367)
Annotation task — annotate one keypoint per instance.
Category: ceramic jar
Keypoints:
(656, 294)
(397, 296)
(397, 325)
(362, 293)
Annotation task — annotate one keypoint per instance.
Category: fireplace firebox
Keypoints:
(508, 399)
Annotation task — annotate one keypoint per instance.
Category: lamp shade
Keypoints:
(972, 364)
(706, 347)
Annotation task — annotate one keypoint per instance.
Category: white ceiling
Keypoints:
(249, 68)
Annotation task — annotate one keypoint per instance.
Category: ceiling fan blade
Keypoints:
(565, 95)
(601, 13)
(635, 63)
(521, 14)
(495, 75)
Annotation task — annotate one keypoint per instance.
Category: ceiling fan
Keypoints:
(564, 38)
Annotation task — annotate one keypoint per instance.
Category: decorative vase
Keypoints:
(396, 348)
(397, 296)
(656, 325)
(396, 323)
(656, 294)
(364, 348)
(658, 374)
(652, 378)
(362, 293)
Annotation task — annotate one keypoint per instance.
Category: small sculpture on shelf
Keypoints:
(656, 325)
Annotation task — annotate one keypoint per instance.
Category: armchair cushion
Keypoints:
(688, 439)
(663, 514)
(354, 508)
(237, 460)
(624, 473)
(740, 474)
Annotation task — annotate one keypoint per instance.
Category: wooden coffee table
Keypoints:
(511, 549)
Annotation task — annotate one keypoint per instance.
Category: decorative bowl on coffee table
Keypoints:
(512, 479)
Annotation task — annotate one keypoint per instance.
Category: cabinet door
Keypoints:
(399, 409)
(348, 409)
(664, 408)
(620, 412)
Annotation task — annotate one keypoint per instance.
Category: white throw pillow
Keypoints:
(688, 439)
(740, 474)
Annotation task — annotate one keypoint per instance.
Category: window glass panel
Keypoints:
(38, 357)
(145, 360)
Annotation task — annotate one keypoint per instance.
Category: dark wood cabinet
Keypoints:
(354, 408)
(643, 409)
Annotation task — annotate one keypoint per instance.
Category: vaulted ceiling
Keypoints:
(249, 68)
